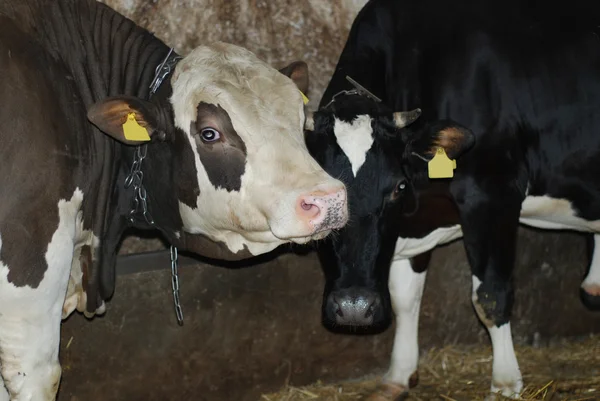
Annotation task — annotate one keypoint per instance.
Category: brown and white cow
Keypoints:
(226, 172)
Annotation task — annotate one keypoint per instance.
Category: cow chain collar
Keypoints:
(136, 177)
(358, 90)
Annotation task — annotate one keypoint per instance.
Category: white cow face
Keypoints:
(240, 123)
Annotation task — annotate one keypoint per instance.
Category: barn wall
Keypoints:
(252, 330)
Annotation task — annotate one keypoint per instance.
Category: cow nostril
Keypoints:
(337, 308)
(370, 310)
(305, 206)
(308, 208)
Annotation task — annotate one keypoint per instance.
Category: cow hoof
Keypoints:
(591, 302)
(388, 392)
(501, 392)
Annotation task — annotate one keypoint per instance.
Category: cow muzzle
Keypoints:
(323, 210)
(354, 307)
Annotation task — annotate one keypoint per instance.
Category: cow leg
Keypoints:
(490, 223)
(590, 288)
(406, 284)
(506, 375)
(30, 317)
(29, 355)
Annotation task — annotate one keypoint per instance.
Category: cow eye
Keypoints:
(210, 135)
(401, 186)
(398, 189)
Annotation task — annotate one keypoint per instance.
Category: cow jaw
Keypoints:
(258, 185)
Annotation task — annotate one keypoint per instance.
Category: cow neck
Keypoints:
(104, 54)
(134, 179)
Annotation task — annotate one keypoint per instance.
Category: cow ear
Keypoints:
(127, 119)
(454, 138)
(297, 72)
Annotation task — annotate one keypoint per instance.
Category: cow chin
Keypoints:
(222, 250)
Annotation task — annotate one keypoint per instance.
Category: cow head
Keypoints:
(381, 156)
(233, 129)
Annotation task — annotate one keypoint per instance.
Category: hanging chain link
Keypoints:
(175, 285)
(136, 178)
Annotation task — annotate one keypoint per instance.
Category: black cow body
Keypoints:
(519, 79)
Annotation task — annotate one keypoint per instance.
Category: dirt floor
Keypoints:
(567, 370)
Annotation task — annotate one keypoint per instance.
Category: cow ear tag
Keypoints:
(441, 166)
(134, 131)
(304, 98)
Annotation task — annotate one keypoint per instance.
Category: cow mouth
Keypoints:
(313, 237)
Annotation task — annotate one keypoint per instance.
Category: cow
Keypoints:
(506, 96)
(104, 127)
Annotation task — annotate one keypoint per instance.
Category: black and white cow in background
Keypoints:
(511, 91)
(226, 171)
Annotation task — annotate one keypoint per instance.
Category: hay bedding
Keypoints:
(563, 371)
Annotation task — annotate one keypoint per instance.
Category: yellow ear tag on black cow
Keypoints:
(134, 131)
(441, 166)
(304, 98)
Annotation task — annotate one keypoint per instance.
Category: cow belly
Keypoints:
(554, 214)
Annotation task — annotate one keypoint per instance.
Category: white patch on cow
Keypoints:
(506, 375)
(267, 112)
(355, 139)
(406, 290)
(3, 392)
(555, 214)
(410, 247)
(536, 211)
(30, 317)
(591, 284)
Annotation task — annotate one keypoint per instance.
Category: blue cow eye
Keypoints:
(210, 135)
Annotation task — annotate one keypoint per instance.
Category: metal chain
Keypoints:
(175, 285)
(136, 178)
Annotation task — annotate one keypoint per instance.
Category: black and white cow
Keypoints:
(226, 172)
(511, 91)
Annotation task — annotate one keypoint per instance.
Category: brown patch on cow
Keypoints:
(203, 246)
(592, 289)
(387, 392)
(224, 159)
(435, 197)
(29, 183)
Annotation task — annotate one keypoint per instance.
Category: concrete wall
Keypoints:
(252, 330)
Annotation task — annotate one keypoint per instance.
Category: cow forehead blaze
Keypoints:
(355, 138)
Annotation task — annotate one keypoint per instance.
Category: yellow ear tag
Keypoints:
(134, 131)
(441, 166)
(304, 98)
